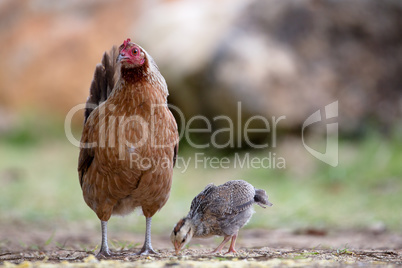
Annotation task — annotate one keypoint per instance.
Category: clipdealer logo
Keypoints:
(327, 115)
(330, 156)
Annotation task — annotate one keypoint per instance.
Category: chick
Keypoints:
(219, 210)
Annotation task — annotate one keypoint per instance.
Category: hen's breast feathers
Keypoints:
(133, 119)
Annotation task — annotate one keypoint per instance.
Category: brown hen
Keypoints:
(129, 141)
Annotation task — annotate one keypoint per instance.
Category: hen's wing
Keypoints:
(103, 82)
(176, 150)
(101, 87)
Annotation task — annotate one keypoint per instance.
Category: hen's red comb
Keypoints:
(126, 42)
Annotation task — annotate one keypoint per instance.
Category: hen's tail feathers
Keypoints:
(261, 198)
(103, 81)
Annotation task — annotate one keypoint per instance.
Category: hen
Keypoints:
(129, 140)
(219, 210)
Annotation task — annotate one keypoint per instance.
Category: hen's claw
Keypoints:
(104, 254)
(147, 251)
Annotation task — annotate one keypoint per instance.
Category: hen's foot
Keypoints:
(104, 254)
(146, 251)
(147, 247)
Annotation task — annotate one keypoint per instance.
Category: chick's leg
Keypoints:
(104, 250)
(232, 244)
(147, 247)
(219, 248)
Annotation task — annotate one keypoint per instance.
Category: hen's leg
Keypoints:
(219, 248)
(147, 247)
(104, 250)
(232, 244)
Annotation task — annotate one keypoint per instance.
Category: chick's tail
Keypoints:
(261, 198)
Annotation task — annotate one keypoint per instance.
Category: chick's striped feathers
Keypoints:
(230, 198)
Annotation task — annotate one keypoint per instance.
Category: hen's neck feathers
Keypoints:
(141, 84)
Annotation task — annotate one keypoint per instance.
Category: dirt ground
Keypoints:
(39, 246)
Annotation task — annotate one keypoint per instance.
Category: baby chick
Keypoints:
(219, 210)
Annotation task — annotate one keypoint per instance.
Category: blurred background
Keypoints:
(278, 58)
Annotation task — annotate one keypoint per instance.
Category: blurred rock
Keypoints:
(282, 58)
(7, 121)
(311, 231)
(50, 49)
(11, 175)
(183, 37)
(378, 228)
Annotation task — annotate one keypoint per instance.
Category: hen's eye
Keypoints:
(135, 51)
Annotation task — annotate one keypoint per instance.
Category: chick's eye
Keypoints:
(183, 240)
(135, 51)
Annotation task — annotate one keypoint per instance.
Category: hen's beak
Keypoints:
(177, 247)
(121, 57)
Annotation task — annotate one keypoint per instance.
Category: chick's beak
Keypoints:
(177, 247)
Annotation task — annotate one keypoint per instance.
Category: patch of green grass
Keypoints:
(364, 189)
(304, 255)
(343, 251)
(34, 127)
(220, 258)
(123, 245)
(50, 239)
(40, 183)
(60, 245)
(299, 257)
